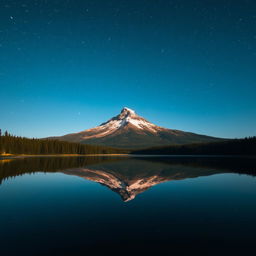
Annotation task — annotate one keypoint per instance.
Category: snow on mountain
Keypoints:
(129, 130)
(127, 117)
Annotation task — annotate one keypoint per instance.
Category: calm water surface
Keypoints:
(75, 205)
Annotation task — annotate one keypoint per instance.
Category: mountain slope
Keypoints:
(128, 130)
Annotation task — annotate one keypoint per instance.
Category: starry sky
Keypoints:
(69, 65)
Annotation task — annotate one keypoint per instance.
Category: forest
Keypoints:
(246, 146)
(10, 144)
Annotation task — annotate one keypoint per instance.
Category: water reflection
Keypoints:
(128, 176)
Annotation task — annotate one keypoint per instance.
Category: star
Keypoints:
(162, 50)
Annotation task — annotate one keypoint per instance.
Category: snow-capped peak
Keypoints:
(129, 130)
(128, 110)
(129, 116)
(126, 119)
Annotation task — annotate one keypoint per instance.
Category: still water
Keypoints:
(76, 205)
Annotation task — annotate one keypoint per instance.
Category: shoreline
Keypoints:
(3, 157)
(57, 155)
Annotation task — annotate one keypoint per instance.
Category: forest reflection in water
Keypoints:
(128, 176)
(71, 205)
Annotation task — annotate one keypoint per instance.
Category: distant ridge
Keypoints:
(129, 130)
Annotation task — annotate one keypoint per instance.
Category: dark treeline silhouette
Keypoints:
(15, 167)
(225, 164)
(179, 167)
(10, 144)
(246, 146)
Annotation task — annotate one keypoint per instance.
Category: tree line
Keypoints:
(11, 168)
(246, 146)
(10, 144)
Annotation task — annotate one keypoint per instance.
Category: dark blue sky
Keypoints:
(66, 66)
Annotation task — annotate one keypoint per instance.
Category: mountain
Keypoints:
(129, 130)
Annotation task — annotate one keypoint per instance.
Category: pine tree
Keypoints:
(19, 145)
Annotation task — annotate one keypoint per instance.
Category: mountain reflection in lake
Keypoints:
(185, 203)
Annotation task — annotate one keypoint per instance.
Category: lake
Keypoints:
(178, 205)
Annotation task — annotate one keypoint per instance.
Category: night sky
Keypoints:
(66, 66)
